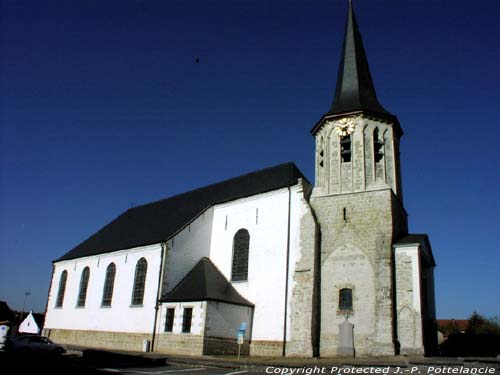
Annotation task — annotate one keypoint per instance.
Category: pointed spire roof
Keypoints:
(205, 283)
(355, 90)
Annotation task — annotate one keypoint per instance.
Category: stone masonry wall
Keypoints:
(362, 173)
(224, 346)
(407, 316)
(261, 348)
(100, 339)
(303, 330)
(356, 253)
(185, 344)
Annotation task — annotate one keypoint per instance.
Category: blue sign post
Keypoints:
(240, 337)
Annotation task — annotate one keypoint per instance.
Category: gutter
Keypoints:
(157, 301)
(287, 275)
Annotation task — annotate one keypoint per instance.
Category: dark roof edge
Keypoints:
(179, 283)
(180, 229)
(418, 238)
(293, 168)
(384, 116)
(291, 163)
(109, 252)
(164, 298)
(167, 300)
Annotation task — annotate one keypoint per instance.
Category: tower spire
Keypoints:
(355, 90)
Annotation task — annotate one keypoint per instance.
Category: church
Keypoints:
(268, 263)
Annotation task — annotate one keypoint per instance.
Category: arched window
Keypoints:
(345, 148)
(139, 282)
(84, 283)
(345, 299)
(241, 243)
(321, 153)
(378, 149)
(62, 288)
(109, 283)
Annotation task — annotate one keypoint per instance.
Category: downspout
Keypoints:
(157, 301)
(286, 271)
(43, 330)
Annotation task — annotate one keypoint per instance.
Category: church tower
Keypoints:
(357, 200)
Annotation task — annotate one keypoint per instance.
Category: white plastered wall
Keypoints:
(197, 320)
(224, 319)
(265, 216)
(121, 316)
(186, 248)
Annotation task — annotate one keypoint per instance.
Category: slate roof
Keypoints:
(413, 238)
(205, 283)
(155, 222)
(355, 89)
(461, 324)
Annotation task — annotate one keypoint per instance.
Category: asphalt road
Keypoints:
(23, 363)
(101, 362)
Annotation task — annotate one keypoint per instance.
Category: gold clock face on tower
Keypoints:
(344, 127)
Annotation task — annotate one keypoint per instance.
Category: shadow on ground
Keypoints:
(90, 363)
(103, 358)
(468, 344)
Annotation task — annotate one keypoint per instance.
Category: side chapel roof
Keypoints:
(205, 283)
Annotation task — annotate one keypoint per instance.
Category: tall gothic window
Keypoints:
(345, 299)
(321, 153)
(139, 282)
(241, 243)
(345, 148)
(84, 283)
(109, 284)
(378, 146)
(62, 288)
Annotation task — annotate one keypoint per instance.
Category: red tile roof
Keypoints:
(460, 324)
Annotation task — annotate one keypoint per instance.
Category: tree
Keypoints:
(478, 324)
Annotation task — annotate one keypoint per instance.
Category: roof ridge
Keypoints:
(217, 286)
(291, 163)
(157, 221)
(185, 277)
(230, 284)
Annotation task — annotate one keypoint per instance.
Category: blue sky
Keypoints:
(104, 107)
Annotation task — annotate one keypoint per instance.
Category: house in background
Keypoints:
(449, 326)
(29, 325)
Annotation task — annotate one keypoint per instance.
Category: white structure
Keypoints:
(266, 255)
(4, 330)
(29, 325)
